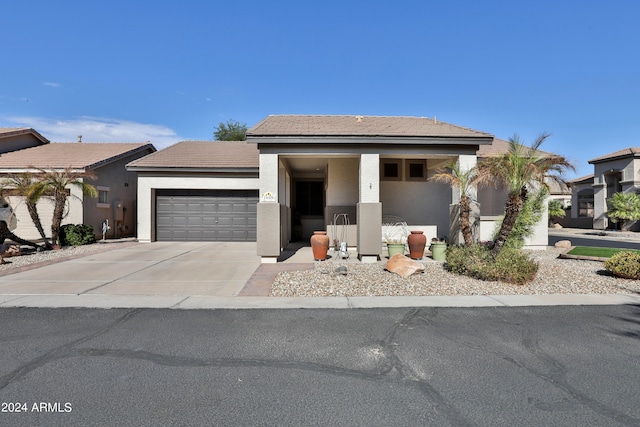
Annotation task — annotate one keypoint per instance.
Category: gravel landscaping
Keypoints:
(555, 276)
(30, 257)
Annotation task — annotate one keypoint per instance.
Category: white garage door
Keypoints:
(206, 215)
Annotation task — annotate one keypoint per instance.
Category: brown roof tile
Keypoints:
(202, 154)
(318, 125)
(59, 155)
(627, 152)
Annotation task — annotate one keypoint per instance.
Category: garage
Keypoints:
(206, 215)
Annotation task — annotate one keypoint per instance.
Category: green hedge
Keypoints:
(624, 264)
(77, 235)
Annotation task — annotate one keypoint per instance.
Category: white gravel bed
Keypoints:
(30, 256)
(555, 276)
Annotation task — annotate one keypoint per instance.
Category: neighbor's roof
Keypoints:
(201, 155)
(582, 180)
(627, 152)
(60, 155)
(9, 132)
(385, 126)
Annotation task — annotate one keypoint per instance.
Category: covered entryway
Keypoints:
(206, 215)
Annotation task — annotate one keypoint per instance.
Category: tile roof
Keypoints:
(59, 155)
(318, 125)
(201, 155)
(582, 180)
(500, 146)
(627, 152)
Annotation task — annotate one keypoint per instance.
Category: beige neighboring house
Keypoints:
(117, 188)
(295, 172)
(612, 173)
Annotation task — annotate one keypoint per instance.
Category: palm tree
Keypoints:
(517, 171)
(465, 181)
(56, 182)
(22, 185)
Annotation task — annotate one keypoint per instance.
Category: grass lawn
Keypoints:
(597, 252)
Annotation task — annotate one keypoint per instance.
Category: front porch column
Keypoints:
(465, 163)
(268, 210)
(369, 209)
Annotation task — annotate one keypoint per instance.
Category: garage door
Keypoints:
(212, 215)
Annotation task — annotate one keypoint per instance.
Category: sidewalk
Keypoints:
(144, 276)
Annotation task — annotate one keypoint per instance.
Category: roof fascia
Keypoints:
(134, 168)
(385, 140)
(106, 161)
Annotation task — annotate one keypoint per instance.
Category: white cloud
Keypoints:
(51, 84)
(97, 129)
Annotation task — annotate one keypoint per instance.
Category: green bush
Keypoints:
(511, 265)
(624, 264)
(77, 235)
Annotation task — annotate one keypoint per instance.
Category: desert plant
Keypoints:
(624, 207)
(56, 182)
(624, 264)
(518, 171)
(510, 265)
(555, 209)
(529, 216)
(77, 235)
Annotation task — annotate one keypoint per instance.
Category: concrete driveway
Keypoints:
(158, 268)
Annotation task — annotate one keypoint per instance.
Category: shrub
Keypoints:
(77, 235)
(529, 216)
(624, 264)
(511, 265)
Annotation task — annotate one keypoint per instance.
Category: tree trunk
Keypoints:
(5, 234)
(33, 213)
(465, 222)
(58, 214)
(511, 211)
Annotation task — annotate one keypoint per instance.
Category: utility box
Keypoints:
(119, 210)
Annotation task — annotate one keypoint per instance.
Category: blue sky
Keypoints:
(168, 71)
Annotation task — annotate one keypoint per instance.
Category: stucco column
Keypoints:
(268, 210)
(369, 209)
(600, 219)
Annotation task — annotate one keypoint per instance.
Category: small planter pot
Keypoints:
(438, 251)
(395, 248)
(319, 245)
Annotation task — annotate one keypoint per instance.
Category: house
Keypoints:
(117, 188)
(12, 139)
(612, 173)
(296, 172)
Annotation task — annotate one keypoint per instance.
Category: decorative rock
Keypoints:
(556, 225)
(7, 250)
(341, 270)
(403, 266)
(565, 244)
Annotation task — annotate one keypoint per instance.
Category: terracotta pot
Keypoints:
(320, 245)
(417, 242)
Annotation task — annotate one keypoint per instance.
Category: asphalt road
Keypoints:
(508, 366)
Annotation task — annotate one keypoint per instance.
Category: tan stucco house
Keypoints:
(117, 187)
(612, 173)
(295, 172)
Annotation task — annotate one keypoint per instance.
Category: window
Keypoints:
(103, 197)
(585, 204)
(416, 170)
(391, 170)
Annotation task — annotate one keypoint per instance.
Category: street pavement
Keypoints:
(493, 366)
(211, 275)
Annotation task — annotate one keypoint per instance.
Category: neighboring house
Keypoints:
(612, 173)
(117, 188)
(295, 172)
(12, 139)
